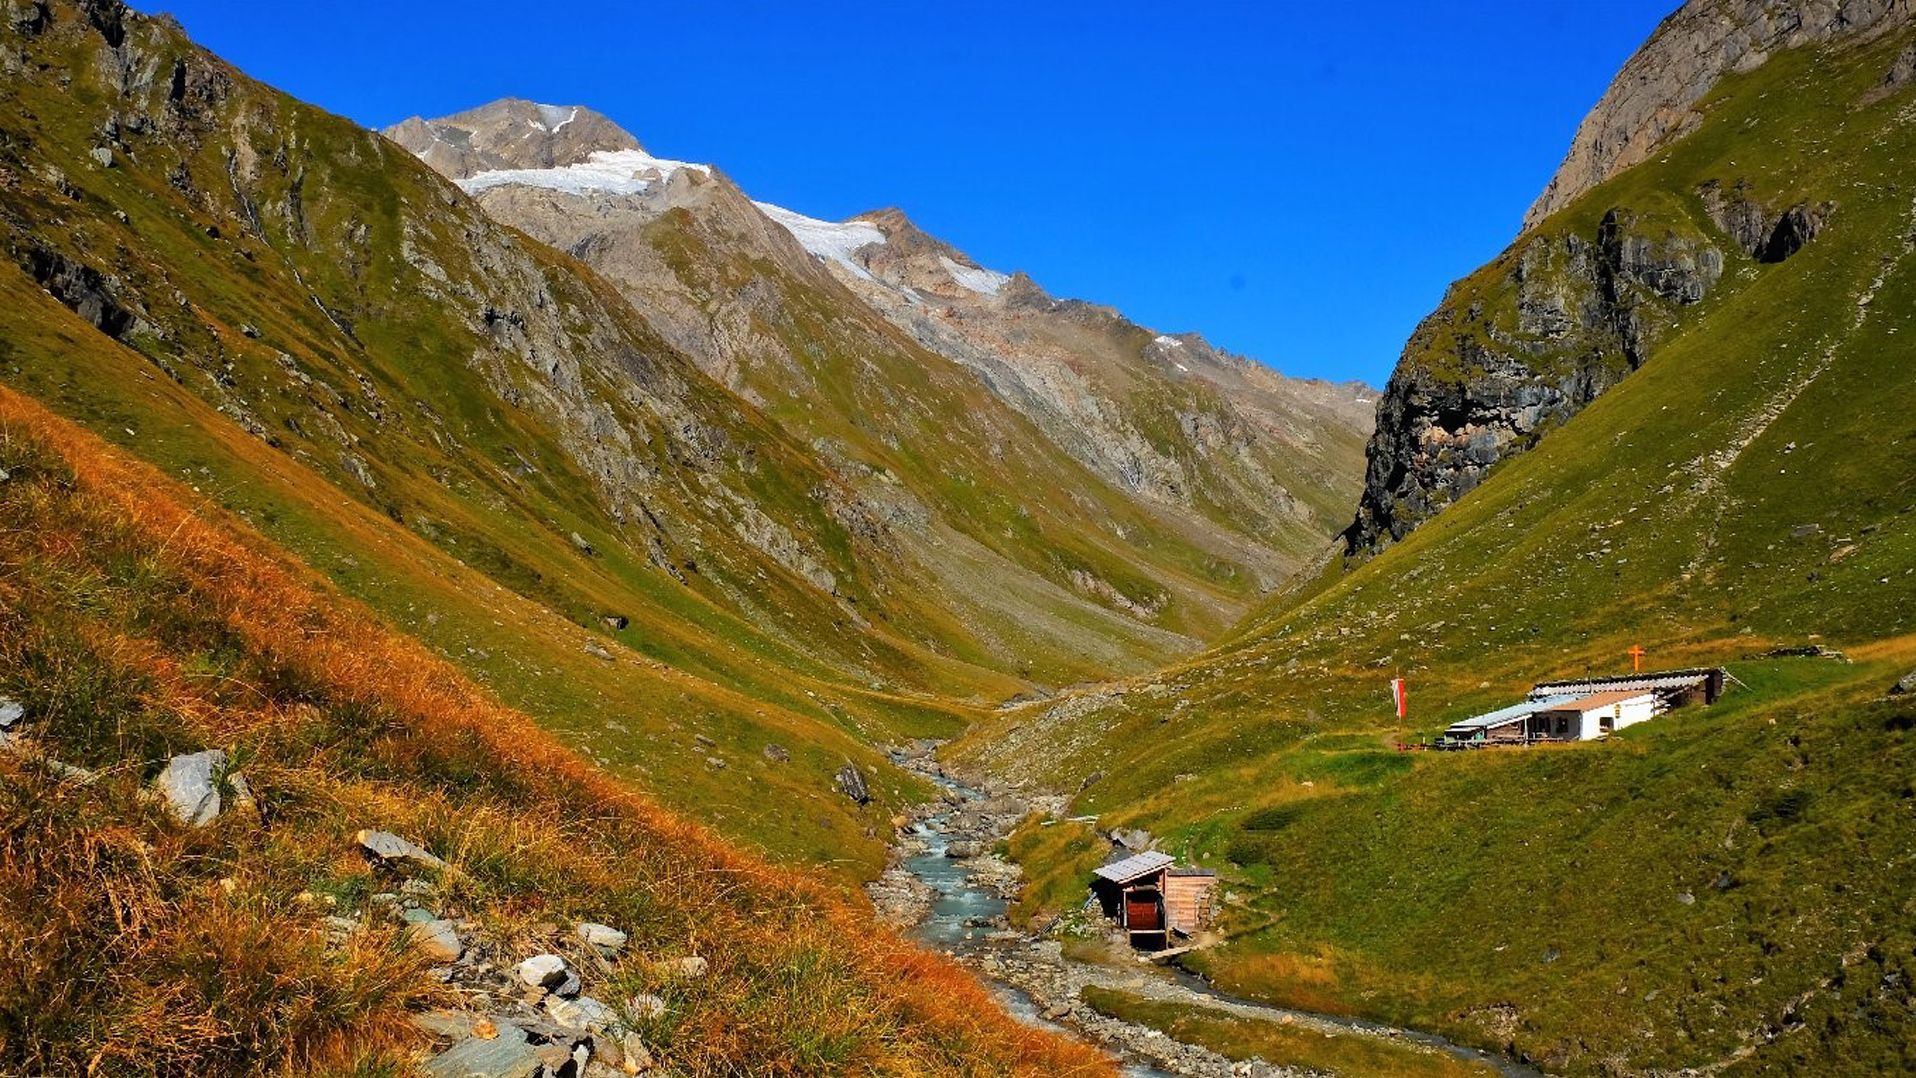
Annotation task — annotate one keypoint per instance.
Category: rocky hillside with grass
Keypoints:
(959, 401)
(1581, 300)
(245, 827)
(1724, 890)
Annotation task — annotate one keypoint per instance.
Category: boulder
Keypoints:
(505, 1054)
(607, 939)
(437, 939)
(851, 782)
(961, 850)
(1904, 686)
(11, 712)
(190, 788)
(1136, 839)
(389, 849)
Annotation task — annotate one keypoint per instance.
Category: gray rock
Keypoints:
(599, 651)
(1904, 686)
(584, 546)
(961, 850)
(506, 1054)
(1135, 839)
(544, 971)
(1685, 898)
(582, 1013)
(438, 939)
(607, 939)
(777, 754)
(102, 156)
(691, 968)
(190, 786)
(851, 782)
(389, 849)
(250, 330)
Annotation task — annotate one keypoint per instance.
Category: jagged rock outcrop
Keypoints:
(1651, 101)
(1514, 350)
(1570, 309)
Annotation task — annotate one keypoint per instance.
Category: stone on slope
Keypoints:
(505, 1054)
(189, 786)
(852, 783)
(389, 849)
(582, 1013)
(437, 939)
(608, 940)
(549, 972)
(1904, 686)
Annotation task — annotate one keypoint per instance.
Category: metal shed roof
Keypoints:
(1667, 679)
(1513, 713)
(1143, 864)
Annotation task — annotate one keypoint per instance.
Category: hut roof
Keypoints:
(1143, 864)
(1513, 713)
(1662, 680)
(1605, 699)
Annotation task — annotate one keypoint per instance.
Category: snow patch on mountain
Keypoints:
(984, 281)
(834, 241)
(618, 172)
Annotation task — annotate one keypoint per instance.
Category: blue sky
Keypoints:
(1297, 182)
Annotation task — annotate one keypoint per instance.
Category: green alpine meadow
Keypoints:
(481, 596)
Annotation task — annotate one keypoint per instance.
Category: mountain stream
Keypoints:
(950, 891)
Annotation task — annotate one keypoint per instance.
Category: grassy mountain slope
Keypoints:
(1726, 889)
(306, 323)
(1052, 561)
(138, 621)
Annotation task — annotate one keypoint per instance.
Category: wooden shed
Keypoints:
(1132, 892)
(1190, 897)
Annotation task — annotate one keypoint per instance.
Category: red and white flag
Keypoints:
(1398, 695)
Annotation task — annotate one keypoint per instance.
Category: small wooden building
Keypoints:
(1190, 898)
(1151, 899)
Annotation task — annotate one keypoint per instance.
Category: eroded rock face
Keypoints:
(1483, 378)
(1651, 102)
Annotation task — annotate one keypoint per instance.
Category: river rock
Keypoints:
(961, 850)
(389, 849)
(189, 787)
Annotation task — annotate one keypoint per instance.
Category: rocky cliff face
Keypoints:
(1652, 100)
(1599, 276)
(1516, 349)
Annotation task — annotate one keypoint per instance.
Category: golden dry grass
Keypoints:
(135, 621)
